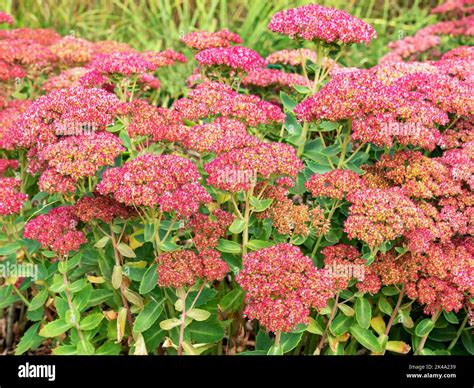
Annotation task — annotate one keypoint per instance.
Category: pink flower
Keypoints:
(11, 199)
(52, 182)
(124, 63)
(219, 136)
(84, 155)
(56, 230)
(263, 77)
(65, 112)
(150, 180)
(164, 58)
(216, 99)
(6, 164)
(315, 22)
(201, 40)
(207, 229)
(6, 18)
(282, 285)
(334, 184)
(73, 51)
(236, 58)
(101, 208)
(183, 268)
(239, 169)
(379, 215)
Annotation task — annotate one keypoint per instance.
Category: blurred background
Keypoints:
(159, 24)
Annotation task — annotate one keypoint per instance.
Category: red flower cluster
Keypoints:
(207, 229)
(101, 208)
(379, 215)
(315, 22)
(56, 230)
(11, 199)
(6, 18)
(149, 180)
(214, 99)
(201, 40)
(282, 285)
(235, 57)
(238, 169)
(334, 184)
(183, 268)
(344, 263)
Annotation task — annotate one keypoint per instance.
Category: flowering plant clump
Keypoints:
(287, 202)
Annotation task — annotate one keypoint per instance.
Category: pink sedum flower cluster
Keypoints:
(201, 40)
(281, 286)
(238, 169)
(237, 58)
(183, 268)
(150, 180)
(315, 22)
(215, 99)
(56, 230)
(11, 199)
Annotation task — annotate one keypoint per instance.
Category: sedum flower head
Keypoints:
(315, 22)
(281, 286)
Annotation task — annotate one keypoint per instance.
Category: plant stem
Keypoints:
(458, 333)
(422, 343)
(182, 296)
(331, 317)
(395, 311)
(277, 338)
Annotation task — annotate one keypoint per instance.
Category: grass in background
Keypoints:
(159, 24)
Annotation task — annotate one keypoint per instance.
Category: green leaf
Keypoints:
(451, 317)
(65, 350)
(117, 277)
(9, 248)
(125, 250)
(55, 328)
(85, 348)
(315, 327)
(39, 300)
(237, 226)
(363, 312)
(259, 205)
(301, 89)
(424, 327)
(327, 126)
(169, 324)
(275, 351)
(148, 316)
(109, 349)
(232, 300)
(102, 242)
(287, 101)
(198, 314)
(366, 338)
(91, 321)
(346, 310)
(149, 281)
(340, 324)
(255, 245)
(30, 340)
(207, 332)
(228, 246)
(384, 306)
(467, 341)
(390, 291)
(289, 341)
(149, 233)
